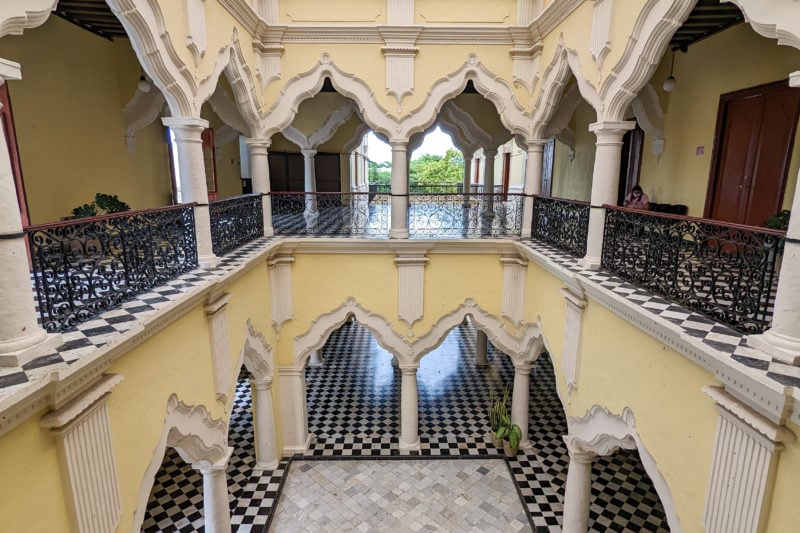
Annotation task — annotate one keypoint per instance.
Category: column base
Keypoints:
(780, 347)
(43, 345)
(270, 465)
(413, 447)
(590, 263)
(269, 232)
(293, 450)
(398, 234)
(525, 233)
(525, 444)
(208, 261)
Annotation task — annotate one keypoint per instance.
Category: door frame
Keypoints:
(716, 152)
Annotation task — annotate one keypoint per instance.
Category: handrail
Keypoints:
(101, 218)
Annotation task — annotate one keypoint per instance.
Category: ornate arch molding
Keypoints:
(600, 433)
(257, 355)
(524, 347)
(453, 113)
(16, 17)
(773, 19)
(195, 434)
(243, 83)
(358, 136)
(308, 84)
(565, 62)
(325, 132)
(657, 22)
(139, 112)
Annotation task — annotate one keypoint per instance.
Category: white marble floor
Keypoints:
(399, 496)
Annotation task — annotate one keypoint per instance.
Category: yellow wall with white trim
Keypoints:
(784, 513)
(572, 178)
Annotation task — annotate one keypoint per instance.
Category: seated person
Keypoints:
(637, 199)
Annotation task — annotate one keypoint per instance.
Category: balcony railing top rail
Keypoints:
(561, 223)
(725, 271)
(83, 267)
(235, 221)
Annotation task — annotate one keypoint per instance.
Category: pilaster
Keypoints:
(514, 280)
(216, 313)
(572, 338)
(281, 293)
(294, 413)
(411, 284)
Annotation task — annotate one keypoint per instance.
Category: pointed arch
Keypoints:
(657, 22)
(257, 355)
(565, 63)
(773, 19)
(600, 432)
(358, 136)
(194, 433)
(243, 83)
(19, 16)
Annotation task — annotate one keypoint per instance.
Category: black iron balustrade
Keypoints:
(331, 213)
(464, 215)
(561, 223)
(435, 188)
(235, 221)
(84, 267)
(725, 271)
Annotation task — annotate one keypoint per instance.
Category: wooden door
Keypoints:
(752, 151)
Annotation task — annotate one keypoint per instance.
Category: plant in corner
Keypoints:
(511, 435)
(498, 409)
(103, 204)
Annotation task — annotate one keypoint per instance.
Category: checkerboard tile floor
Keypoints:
(353, 404)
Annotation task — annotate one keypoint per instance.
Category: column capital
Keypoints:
(399, 144)
(536, 145)
(261, 384)
(185, 123)
(523, 368)
(409, 369)
(206, 468)
(612, 127)
(490, 153)
(258, 142)
(579, 450)
(308, 154)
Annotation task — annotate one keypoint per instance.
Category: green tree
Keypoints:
(437, 170)
(380, 173)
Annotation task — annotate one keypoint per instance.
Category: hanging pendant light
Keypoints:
(670, 83)
(143, 84)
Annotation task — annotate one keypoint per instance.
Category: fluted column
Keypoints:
(311, 214)
(409, 408)
(520, 401)
(264, 420)
(192, 178)
(488, 183)
(605, 182)
(578, 491)
(533, 183)
(216, 511)
(481, 349)
(399, 218)
(20, 334)
(259, 169)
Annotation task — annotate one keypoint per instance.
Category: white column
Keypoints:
(481, 349)
(488, 183)
(315, 359)
(259, 170)
(192, 178)
(399, 217)
(605, 182)
(533, 183)
(264, 421)
(743, 467)
(294, 414)
(21, 338)
(311, 214)
(520, 401)
(216, 511)
(409, 408)
(578, 491)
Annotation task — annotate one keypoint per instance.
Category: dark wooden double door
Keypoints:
(287, 172)
(752, 151)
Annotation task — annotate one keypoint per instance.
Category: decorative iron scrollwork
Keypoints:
(235, 221)
(561, 223)
(84, 267)
(464, 215)
(724, 271)
(347, 214)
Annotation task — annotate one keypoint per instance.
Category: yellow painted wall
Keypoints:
(573, 179)
(305, 11)
(31, 481)
(500, 12)
(784, 512)
(732, 60)
(69, 123)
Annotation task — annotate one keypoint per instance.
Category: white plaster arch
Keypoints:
(243, 83)
(647, 109)
(657, 22)
(523, 347)
(227, 111)
(325, 132)
(358, 136)
(15, 17)
(139, 112)
(453, 113)
(601, 433)
(565, 63)
(195, 434)
(562, 115)
(256, 354)
(774, 19)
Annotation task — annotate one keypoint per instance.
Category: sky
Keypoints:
(436, 142)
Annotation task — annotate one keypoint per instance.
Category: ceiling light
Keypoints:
(670, 83)
(143, 84)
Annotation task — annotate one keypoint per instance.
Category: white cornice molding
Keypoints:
(15, 17)
(74, 408)
(748, 416)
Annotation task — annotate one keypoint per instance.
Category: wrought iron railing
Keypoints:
(235, 221)
(725, 271)
(331, 213)
(464, 215)
(84, 267)
(438, 188)
(561, 223)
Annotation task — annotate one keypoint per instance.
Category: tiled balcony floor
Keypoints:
(353, 401)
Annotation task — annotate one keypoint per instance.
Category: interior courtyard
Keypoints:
(225, 312)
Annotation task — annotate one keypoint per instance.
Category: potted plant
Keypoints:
(511, 435)
(498, 409)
